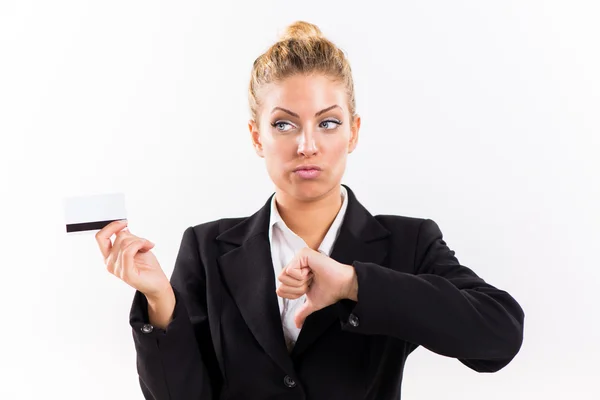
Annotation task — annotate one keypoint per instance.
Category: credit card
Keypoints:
(91, 213)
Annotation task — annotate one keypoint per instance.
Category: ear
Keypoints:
(255, 136)
(354, 133)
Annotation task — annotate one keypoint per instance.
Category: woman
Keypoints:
(312, 297)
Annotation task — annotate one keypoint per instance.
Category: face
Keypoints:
(305, 121)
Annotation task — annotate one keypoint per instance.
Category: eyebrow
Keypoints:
(293, 114)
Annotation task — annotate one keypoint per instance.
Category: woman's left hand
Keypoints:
(323, 280)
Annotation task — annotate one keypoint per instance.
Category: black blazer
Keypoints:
(226, 340)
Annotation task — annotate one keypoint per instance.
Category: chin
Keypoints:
(309, 190)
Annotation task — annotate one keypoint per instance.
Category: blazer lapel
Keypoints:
(361, 238)
(247, 270)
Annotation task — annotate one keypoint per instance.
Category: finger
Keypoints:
(285, 290)
(103, 236)
(298, 273)
(295, 291)
(116, 245)
(294, 273)
(299, 261)
(128, 252)
(147, 249)
(303, 312)
(290, 281)
(123, 238)
(146, 244)
(110, 264)
(116, 249)
(287, 295)
(292, 290)
(293, 282)
(127, 257)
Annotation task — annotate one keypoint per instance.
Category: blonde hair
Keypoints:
(301, 49)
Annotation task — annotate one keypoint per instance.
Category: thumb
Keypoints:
(303, 312)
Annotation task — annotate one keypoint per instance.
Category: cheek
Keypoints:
(340, 150)
(338, 156)
(277, 153)
(280, 148)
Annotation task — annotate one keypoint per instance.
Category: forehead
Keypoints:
(304, 93)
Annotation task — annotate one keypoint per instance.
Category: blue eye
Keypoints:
(279, 124)
(333, 124)
(284, 126)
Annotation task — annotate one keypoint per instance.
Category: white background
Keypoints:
(483, 116)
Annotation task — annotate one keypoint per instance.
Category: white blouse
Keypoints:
(284, 245)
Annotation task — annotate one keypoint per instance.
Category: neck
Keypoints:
(309, 219)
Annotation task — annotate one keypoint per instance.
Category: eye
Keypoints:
(280, 126)
(330, 124)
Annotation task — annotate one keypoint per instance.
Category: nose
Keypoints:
(307, 145)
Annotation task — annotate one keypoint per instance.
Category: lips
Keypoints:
(307, 168)
(308, 171)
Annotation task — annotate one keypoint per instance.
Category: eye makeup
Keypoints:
(328, 120)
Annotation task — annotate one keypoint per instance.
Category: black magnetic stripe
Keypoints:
(89, 226)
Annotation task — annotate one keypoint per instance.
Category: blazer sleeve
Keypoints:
(443, 306)
(176, 362)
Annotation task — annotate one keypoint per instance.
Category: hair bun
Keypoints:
(301, 30)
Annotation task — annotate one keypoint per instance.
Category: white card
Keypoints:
(90, 213)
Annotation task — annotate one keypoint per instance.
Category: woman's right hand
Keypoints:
(129, 258)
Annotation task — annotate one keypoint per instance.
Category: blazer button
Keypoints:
(353, 319)
(289, 382)
(147, 328)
